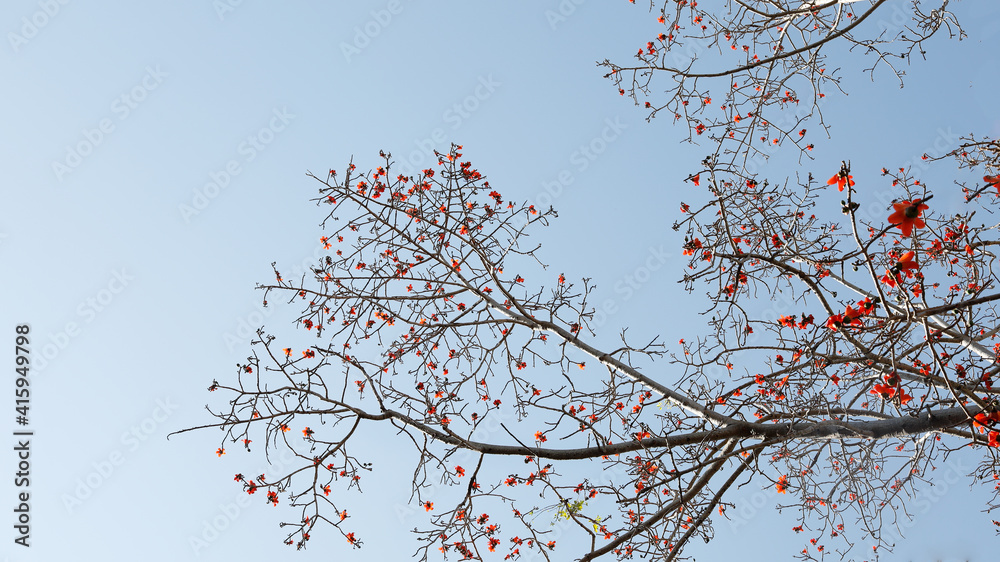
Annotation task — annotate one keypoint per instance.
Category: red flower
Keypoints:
(884, 390)
(220, 451)
(782, 484)
(842, 179)
(697, 180)
(905, 265)
(428, 506)
(994, 181)
(907, 216)
(903, 396)
(835, 321)
(690, 247)
(460, 471)
(994, 441)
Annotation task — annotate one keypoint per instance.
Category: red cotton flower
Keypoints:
(220, 451)
(906, 265)
(781, 485)
(841, 179)
(907, 216)
(994, 181)
(884, 390)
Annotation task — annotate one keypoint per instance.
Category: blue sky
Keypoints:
(155, 161)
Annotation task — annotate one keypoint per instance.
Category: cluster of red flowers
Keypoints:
(851, 316)
(891, 389)
(906, 265)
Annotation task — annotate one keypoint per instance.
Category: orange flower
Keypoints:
(835, 321)
(851, 317)
(903, 396)
(220, 451)
(906, 264)
(994, 181)
(994, 439)
(539, 436)
(782, 484)
(982, 419)
(842, 179)
(428, 506)
(884, 390)
(697, 180)
(907, 216)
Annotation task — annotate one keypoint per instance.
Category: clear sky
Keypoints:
(155, 158)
